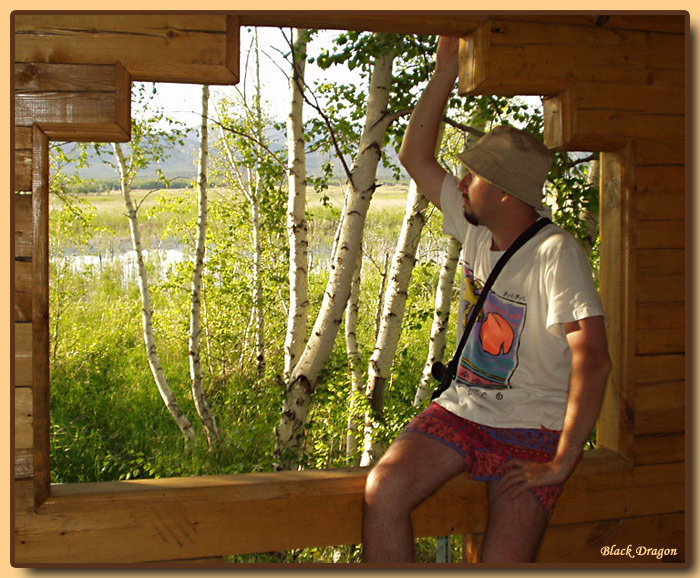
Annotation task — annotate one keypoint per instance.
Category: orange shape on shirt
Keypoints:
(496, 335)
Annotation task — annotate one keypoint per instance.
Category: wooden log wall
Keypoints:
(615, 84)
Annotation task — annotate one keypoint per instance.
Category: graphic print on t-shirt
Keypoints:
(491, 353)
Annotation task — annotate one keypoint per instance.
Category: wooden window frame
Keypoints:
(204, 516)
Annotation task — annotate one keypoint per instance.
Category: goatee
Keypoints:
(471, 219)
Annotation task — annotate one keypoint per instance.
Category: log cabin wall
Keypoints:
(615, 84)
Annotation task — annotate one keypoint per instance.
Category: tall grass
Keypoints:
(108, 421)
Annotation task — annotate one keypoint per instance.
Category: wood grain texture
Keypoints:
(172, 519)
(154, 47)
(40, 316)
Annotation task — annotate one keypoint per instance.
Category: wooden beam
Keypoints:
(595, 116)
(72, 102)
(165, 47)
(170, 519)
(40, 316)
(662, 535)
(617, 276)
(541, 58)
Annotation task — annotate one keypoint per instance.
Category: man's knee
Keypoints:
(386, 486)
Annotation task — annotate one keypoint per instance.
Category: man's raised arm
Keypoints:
(417, 152)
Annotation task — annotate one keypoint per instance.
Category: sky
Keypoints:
(184, 100)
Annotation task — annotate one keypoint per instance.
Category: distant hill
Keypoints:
(183, 163)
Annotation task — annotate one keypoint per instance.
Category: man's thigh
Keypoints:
(515, 527)
(415, 466)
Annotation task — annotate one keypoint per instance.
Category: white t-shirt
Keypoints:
(514, 370)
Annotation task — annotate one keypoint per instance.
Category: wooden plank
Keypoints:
(42, 77)
(618, 292)
(659, 421)
(668, 234)
(166, 47)
(24, 464)
(199, 517)
(667, 182)
(23, 171)
(658, 449)
(511, 58)
(653, 153)
(23, 225)
(23, 354)
(661, 316)
(23, 418)
(597, 116)
(648, 207)
(449, 21)
(23, 138)
(668, 289)
(654, 539)
(23, 291)
(664, 395)
(23, 497)
(652, 369)
(40, 316)
(656, 262)
(668, 178)
(659, 341)
(453, 23)
(74, 102)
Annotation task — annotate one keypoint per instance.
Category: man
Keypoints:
(532, 374)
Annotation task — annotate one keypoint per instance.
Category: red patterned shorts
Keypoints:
(485, 449)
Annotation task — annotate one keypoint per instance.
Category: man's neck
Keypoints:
(509, 229)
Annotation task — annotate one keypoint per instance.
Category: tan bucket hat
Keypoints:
(513, 160)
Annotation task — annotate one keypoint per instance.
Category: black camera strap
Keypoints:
(445, 375)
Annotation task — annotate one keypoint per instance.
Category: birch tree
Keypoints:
(146, 146)
(355, 364)
(359, 189)
(254, 171)
(392, 316)
(441, 317)
(297, 228)
(200, 401)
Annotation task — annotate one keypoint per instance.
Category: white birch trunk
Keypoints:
(146, 310)
(355, 362)
(258, 297)
(200, 401)
(297, 228)
(441, 318)
(359, 191)
(387, 341)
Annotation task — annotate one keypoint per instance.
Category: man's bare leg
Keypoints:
(413, 467)
(514, 528)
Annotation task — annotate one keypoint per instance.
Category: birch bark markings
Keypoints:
(359, 191)
(441, 317)
(297, 228)
(392, 316)
(200, 402)
(146, 310)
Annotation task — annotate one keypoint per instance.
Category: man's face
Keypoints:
(477, 198)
